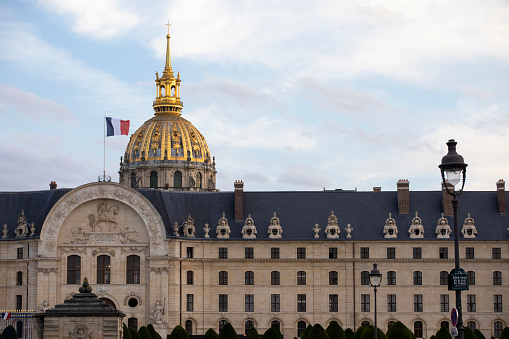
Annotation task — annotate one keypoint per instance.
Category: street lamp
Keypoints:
(454, 170)
(375, 279)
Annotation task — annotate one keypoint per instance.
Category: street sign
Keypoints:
(454, 316)
(454, 332)
(458, 280)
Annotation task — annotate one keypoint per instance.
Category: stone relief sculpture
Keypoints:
(104, 220)
(80, 332)
(443, 230)
(44, 307)
(206, 229)
(21, 230)
(469, 230)
(275, 230)
(157, 314)
(390, 228)
(78, 236)
(416, 230)
(316, 229)
(249, 230)
(349, 230)
(332, 230)
(128, 237)
(188, 229)
(222, 229)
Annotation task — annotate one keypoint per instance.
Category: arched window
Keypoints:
(444, 324)
(133, 270)
(177, 179)
(249, 324)
(365, 323)
(390, 323)
(276, 324)
(133, 180)
(471, 325)
(249, 278)
(497, 278)
(132, 323)
(190, 277)
(163, 91)
(222, 322)
(301, 326)
(172, 91)
(19, 278)
(73, 269)
(223, 278)
(391, 278)
(418, 329)
(497, 328)
(333, 278)
(444, 278)
(364, 278)
(417, 278)
(471, 277)
(189, 327)
(301, 278)
(199, 181)
(153, 179)
(103, 269)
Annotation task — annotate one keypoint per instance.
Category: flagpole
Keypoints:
(104, 149)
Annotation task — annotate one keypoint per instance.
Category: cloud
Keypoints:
(304, 177)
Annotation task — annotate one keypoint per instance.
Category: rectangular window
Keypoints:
(364, 252)
(249, 278)
(223, 278)
(417, 302)
(497, 278)
(391, 302)
(496, 253)
(274, 302)
(471, 278)
(190, 278)
(444, 278)
(223, 303)
(20, 253)
(391, 253)
(301, 253)
(417, 253)
(391, 278)
(470, 302)
(223, 252)
(190, 302)
(497, 303)
(301, 303)
(301, 278)
(19, 302)
(443, 252)
(469, 253)
(333, 253)
(444, 303)
(189, 252)
(333, 278)
(249, 253)
(274, 253)
(249, 302)
(364, 302)
(333, 302)
(19, 278)
(274, 278)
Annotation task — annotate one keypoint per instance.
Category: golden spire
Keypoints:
(167, 65)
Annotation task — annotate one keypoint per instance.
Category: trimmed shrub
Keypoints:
(153, 332)
(228, 332)
(369, 333)
(358, 333)
(505, 332)
(134, 334)
(271, 333)
(306, 332)
(479, 334)
(10, 333)
(125, 332)
(399, 331)
(253, 334)
(469, 334)
(317, 332)
(179, 333)
(276, 328)
(432, 337)
(349, 333)
(210, 334)
(335, 331)
(443, 333)
(144, 333)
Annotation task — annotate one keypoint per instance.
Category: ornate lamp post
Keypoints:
(375, 279)
(454, 170)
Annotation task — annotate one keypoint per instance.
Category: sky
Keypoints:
(290, 95)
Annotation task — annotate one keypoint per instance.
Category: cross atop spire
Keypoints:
(168, 24)
(167, 66)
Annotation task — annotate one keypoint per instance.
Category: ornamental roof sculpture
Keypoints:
(469, 230)
(223, 230)
(275, 230)
(390, 228)
(348, 230)
(416, 230)
(22, 230)
(332, 230)
(249, 230)
(188, 229)
(316, 229)
(443, 230)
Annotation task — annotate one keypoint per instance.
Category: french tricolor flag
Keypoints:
(116, 127)
(6, 316)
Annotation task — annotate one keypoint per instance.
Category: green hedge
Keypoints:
(335, 331)
(228, 332)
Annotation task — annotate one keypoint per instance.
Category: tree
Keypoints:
(369, 333)
(252, 334)
(276, 328)
(153, 332)
(271, 333)
(125, 332)
(317, 332)
(306, 332)
(134, 334)
(349, 333)
(443, 333)
(399, 330)
(210, 334)
(505, 332)
(335, 331)
(228, 332)
(144, 333)
(469, 334)
(358, 333)
(179, 333)
(479, 334)
(432, 337)
(10, 333)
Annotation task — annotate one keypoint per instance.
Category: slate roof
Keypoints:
(298, 212)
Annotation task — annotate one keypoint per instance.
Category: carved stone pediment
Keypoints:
(390, 228)
(249, 230)
(443, 230)
(332, 230)
(275, 230)
(223, 230)
(416, 230)
(469, 230)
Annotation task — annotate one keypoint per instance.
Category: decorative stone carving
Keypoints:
(47, 270)
(349, 230)
(44, 307)
(79, 236)
(222, 229)
(5, 230)
(104, 220)
(157, 314)
(275, 230)
(249, 230)
(176, 229)
(104, 249)
(127, 237)
(188, 229)
(131, 250)
(21, 230)
(332, 230)
(102, 291)
(131, 295)
(80, 331)
(390, 228)
(416, 230)
(206, 229)
(32, 229)
(74, 250)
(469, 230)
(316, 229)
(69, 295)
(443, 230)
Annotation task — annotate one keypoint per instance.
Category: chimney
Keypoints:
(53, 185)
(501, 196)
(403, 196)
(239, 200)
(447, 200)
(377, 189)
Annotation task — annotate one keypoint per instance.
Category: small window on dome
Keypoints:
(177, 179)
(153, 179)
(172, 91)
(133, 180)
(163, 91)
